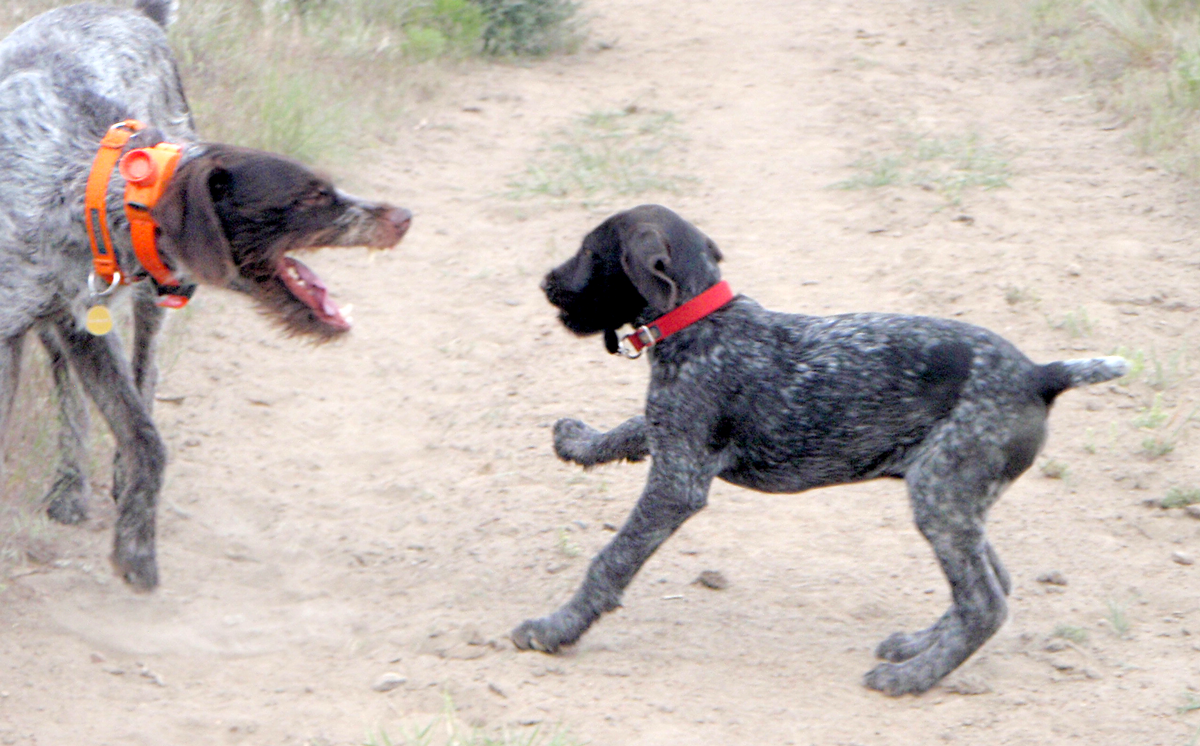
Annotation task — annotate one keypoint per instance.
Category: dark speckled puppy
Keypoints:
(783, 403)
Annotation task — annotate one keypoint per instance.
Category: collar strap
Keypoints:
(147, 171)
(710, 300)
(95, 205)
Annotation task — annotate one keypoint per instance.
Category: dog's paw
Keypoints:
(900, 646)
(136, 566)
(572, 441)
(536, 634)
(67, 500)
(896, 680)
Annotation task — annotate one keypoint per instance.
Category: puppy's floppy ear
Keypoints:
(646, 259)
(713, 251)
(190, 231)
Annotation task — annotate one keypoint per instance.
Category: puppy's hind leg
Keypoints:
(900, 646)
(67, 499)
(949, 512)
(671, 496)
(576, 442)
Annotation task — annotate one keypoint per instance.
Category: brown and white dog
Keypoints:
(229, 217)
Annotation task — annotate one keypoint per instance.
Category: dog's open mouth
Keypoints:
(306, 287)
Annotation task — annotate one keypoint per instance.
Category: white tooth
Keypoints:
(347, 310)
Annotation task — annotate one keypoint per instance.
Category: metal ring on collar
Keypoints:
(92, 279)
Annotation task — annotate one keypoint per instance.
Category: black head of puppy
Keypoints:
(633, 268)
(230, 216)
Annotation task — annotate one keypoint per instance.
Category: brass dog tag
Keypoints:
(99, 321)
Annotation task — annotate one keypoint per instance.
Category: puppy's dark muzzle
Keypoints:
(555, 293)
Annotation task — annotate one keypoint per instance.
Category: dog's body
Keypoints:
(783, 403)
(226, 219)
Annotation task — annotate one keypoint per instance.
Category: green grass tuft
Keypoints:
(1118, 618)
(448, 730)
(605, 155)
(1142, 59)
(948, 166)
(1077, 635)
(1180, 497)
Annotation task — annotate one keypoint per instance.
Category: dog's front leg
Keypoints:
(576, 442)
(674, 492)
(147, 321)
(67, 499)
(109, 381)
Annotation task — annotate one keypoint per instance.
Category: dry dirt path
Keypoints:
(391, 503)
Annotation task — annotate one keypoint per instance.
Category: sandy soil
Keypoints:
(391, 503)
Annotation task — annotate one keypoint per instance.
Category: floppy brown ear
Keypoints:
(646, 259)
(190, 231)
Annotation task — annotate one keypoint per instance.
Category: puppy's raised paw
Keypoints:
(573, 441)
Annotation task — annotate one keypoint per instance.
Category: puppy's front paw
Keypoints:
(536, 634)
(895, 679)
(573, 440)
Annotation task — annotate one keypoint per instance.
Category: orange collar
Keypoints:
(147, 171)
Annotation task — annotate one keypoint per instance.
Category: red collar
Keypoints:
(718, 295)
(147, 172)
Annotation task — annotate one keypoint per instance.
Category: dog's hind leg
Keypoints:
(10, 376)
(574, 441)
(950, 515)
(108, 380)
(67, 499)
(901, 646)
(672, 495)
(998, 568)
(147, 321)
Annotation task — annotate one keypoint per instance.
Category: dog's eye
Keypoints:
(318, 198)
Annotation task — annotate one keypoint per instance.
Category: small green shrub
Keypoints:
(1154, 446)
(1077, 635)
(1179, 497)
(1052, 469)
(1118, 618)
(1142, 58)
(533, 27)
(1153, 416)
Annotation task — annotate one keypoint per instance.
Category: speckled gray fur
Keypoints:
(65, 78)
(783, 403)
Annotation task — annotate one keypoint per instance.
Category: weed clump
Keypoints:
(527, 27)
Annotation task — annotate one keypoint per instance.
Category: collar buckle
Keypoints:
(644, 337)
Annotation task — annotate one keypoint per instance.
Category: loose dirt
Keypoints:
(390, 504)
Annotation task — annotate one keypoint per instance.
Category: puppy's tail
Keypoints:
(161, 12)
(1054, 378)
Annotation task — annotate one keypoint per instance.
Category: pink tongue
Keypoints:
(309, 290)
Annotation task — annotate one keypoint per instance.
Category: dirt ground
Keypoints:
(391, 504)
